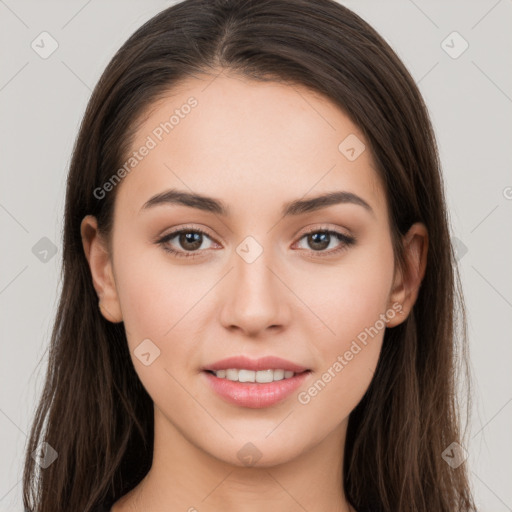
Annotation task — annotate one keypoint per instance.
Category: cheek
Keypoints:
(154, 295)
(353, 306)
(351, 296)
(157, 303)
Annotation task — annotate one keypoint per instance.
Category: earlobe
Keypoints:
(408, 280)
(100, 265)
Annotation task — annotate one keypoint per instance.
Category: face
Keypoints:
(312, 283)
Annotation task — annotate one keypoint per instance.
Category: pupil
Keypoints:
(323, 243)
(188, 238)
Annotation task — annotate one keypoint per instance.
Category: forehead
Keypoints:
(249, 143)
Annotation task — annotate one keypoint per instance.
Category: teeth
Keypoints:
(261, 376)
(279, 374)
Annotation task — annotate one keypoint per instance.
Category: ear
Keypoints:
(407, 281)
(100, 264)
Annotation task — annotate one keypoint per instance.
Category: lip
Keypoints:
(254, 395)
(263, 363)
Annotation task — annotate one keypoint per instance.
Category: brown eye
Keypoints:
(188, 241)
(319, 240)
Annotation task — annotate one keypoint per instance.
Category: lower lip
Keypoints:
(252, 394)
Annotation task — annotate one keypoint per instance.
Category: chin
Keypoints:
(255, 451)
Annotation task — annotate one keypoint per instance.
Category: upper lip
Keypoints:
(264, 363)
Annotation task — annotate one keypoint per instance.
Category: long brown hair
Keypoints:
(95, 412)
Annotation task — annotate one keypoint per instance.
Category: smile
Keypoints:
(241, 387)
(261, 376)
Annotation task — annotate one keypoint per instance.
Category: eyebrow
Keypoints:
(212, 205)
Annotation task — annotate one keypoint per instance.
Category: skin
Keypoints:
(255, 146)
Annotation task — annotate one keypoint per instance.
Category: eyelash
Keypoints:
(346, 240)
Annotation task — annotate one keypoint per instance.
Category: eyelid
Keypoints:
(324, 227)
(186, 227)
(299, 234)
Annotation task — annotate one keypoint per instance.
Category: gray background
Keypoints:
(470, 102)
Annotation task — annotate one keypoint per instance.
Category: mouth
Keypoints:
(254, 389)
(245, 363)
(253, 376)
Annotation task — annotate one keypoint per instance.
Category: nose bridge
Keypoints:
(252, 262)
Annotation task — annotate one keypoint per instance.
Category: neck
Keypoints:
(184, 477)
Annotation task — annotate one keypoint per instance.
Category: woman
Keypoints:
(259, 298)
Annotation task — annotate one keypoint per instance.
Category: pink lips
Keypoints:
(252, 394)
(264, 363)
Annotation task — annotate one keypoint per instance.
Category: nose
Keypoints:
(255, 298)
